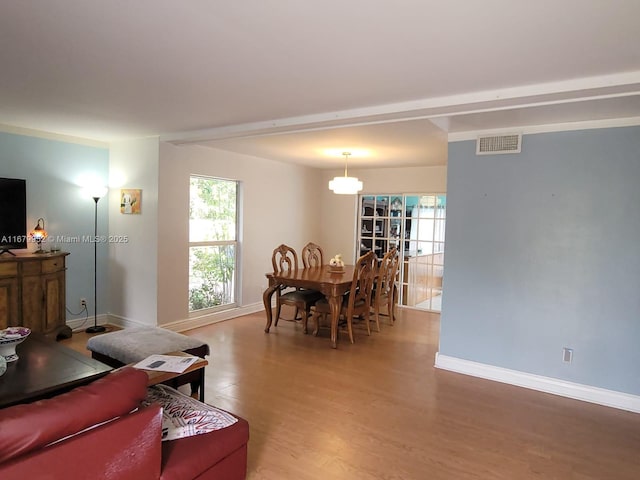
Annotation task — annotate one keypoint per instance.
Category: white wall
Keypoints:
(279, 204)
(133, 268)
(339, 212)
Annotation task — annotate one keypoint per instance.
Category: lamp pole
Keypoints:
(95, 328)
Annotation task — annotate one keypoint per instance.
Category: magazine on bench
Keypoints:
(166, 363)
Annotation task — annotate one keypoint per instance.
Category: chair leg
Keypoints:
(316, 319)
(365, 317)
(376, 312)
(305, 319)
(278, 308)
(350, 328)
(394, 302)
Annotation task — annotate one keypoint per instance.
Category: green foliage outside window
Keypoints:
(213, 267)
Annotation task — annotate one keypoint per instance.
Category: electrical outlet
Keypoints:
(567, 355)
(83, 303)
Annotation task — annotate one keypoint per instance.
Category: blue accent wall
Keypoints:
(54, 171)
(543, 252)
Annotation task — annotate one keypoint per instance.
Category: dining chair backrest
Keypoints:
(387, 273)
(359, 295)
(284, 259)
(362, 284)
(395, 264)
(385, 291)
(312, 255)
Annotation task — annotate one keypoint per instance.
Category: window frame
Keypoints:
(215, 243)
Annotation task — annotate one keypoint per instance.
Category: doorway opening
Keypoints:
(415, 224)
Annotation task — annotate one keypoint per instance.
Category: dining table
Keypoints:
(333, 285)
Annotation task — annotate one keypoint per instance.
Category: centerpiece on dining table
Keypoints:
(336, 265)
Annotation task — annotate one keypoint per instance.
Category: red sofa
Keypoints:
(99, 431)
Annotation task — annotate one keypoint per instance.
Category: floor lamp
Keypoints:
(96, 194)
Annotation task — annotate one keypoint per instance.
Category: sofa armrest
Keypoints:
(127, 448)
(221, 454)
(24, 428)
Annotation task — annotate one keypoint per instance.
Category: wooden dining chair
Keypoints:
(357, 301)
(285, 258)
(385, 291)
(312, 255)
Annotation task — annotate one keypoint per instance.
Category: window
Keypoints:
(213, 245)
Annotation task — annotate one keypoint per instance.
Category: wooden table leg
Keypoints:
(266, 298)
(334, 304)
(202, 385)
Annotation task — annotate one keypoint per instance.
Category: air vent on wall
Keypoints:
(491, 145)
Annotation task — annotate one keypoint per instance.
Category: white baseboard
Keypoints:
(80, 324)
(577, 391)
(125, 322)
(203, 320)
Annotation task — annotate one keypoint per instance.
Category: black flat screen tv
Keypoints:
(13, 214)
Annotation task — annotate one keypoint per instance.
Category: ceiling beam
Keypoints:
(582, 89)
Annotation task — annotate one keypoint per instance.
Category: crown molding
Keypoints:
(51, 136)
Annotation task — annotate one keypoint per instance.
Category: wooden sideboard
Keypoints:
(32, 293)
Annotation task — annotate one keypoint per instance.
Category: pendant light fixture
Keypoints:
(345, 185)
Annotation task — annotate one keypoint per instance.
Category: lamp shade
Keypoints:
(97, 191)
(38, 234)
(345, 185)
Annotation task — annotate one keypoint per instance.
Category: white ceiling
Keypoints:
(292, 80)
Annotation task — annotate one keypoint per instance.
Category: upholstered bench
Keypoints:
(134, 344)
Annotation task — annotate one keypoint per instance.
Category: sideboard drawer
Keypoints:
(8, 269)
(53, 265)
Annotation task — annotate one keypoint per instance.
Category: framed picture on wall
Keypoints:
(130, 200)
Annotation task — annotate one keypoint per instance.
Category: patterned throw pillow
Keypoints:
(183, 416)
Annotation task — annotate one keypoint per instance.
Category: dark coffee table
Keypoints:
(46, 368)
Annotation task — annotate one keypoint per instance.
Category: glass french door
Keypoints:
(415, 224)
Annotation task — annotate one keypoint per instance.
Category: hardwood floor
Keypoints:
(378, 409)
